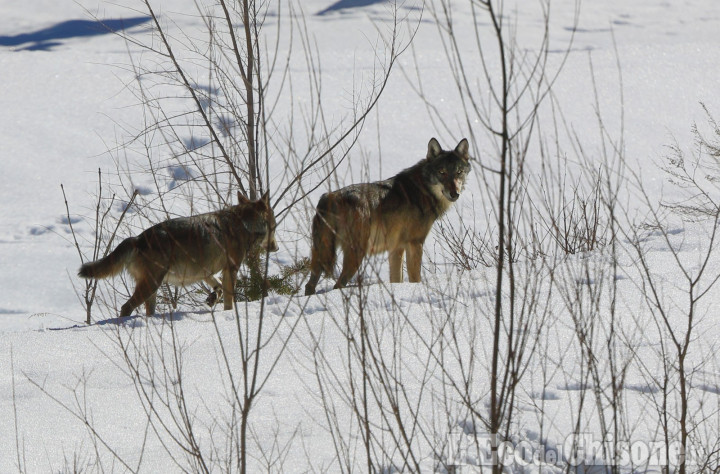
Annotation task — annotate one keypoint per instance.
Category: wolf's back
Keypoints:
(111, 264)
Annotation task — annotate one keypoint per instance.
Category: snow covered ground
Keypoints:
(64, 105)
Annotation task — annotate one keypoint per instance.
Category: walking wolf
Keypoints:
(190, 249)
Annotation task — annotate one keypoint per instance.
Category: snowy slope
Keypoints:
(64, 105)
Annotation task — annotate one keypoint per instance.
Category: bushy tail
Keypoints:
(324, 238)
(112, 264)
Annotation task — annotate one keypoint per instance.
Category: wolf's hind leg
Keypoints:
(351, 263)
(316, 271)
(322, 257)
(396, 265)
(145, 291)
(312, 282)
(150, 304)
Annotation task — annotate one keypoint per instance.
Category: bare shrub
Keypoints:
(99, 239)
(697, 175)
(685, 402)
(505, 99)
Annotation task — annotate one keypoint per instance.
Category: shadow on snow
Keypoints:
(346, 4)
(135, 320)
(48, 38)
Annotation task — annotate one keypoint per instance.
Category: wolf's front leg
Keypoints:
(414, 261)
(396, 265)
(228, 286)
(216, 292)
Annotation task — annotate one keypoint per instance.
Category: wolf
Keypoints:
(394, 216)
(187, 250)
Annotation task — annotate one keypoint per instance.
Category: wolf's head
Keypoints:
(262, 221)
(445, 171)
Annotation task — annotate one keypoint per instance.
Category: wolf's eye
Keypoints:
(442, 173)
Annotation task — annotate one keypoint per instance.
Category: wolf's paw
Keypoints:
(213, 298)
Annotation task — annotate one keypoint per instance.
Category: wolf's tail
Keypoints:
(112, 264)
(324, 238)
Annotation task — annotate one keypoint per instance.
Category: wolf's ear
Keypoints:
(266, 198)
(256, 226)
(434, 149)
(462, 149)
(242, 199)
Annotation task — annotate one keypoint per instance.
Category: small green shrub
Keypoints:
(253, 285)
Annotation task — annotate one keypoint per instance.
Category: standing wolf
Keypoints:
(189, 249)
(392, 216)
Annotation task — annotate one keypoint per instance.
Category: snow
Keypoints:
(65, 105)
